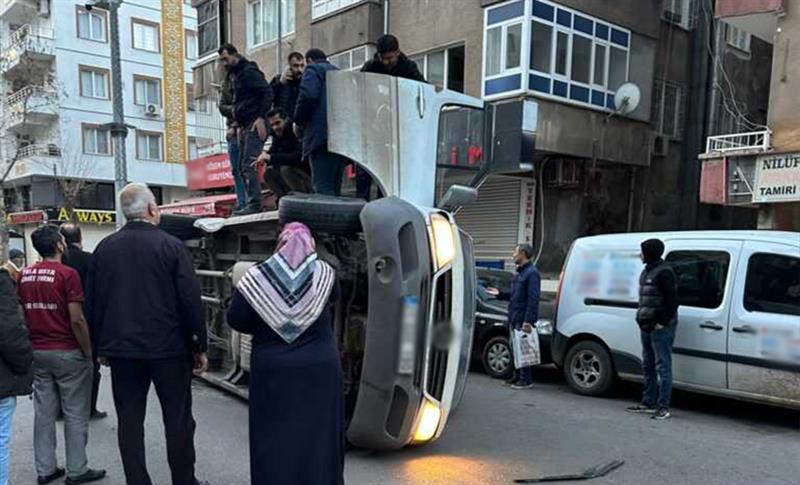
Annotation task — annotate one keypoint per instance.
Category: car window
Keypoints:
(701, 277)
(773, 284)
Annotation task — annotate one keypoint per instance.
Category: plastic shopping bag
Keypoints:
(526, 348)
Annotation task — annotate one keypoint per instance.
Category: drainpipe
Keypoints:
(385, 17)
(279, 64)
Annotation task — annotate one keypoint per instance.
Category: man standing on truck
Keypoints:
(225, 106)
(657, 317)
(523, 306)
(252, 99)
(311, 119)
(143, 302)
(286, 86)
(286, 170)
(391, 61)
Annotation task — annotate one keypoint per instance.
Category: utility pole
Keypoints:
(118, 128)
(280, 38)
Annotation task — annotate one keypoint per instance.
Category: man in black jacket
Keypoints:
(78, 259)
(286, 171)
(225, 106)
(286, 86)
(143, 303)
(16, 361)
(252, 99)
(657, 317)
(391, 61)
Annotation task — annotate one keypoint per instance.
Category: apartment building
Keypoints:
(594, 170)
(755, 164)
(56, 82)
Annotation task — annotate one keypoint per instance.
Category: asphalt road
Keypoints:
(496, 436)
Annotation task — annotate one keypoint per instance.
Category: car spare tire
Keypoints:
(322, 213)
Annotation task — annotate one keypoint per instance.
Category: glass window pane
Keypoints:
(701, 277)
(287, 16)
(541, 47)
(617, 68)
(436, 68)
(102, 142)
(773, 284)
(600, 64)
(100, 85)
(670, 109)
(581, 58)
(562, 50)
(87, 141)
(513, 45)
(141, 148)
(139, 92)
(155, 147)
(98, 30)
(83, 25)
(494, 40)
(270, 20)
(256, 25)
(86, 83)
(455, 69)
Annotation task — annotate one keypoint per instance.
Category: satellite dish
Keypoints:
(627, 98)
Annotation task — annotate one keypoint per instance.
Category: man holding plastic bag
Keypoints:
(523, 312)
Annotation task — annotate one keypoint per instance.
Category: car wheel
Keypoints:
(498, 362)
(322, 213)
(588, 369)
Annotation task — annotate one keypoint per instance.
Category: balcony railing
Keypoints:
(756, 141)
(32, 151)
(30, 94)
(27, 41)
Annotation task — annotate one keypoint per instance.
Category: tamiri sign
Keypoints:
(777, 178)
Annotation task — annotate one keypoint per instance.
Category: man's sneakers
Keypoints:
(96, 415)
(661, 415)
(246, 211)
(518, 386)
(89, 476)
(642, 409)
(60, 472)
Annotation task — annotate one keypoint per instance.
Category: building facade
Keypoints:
(596, 168)
(56, 81)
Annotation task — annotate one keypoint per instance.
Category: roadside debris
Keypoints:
(594, 472)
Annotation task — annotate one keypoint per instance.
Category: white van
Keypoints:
(738, 329)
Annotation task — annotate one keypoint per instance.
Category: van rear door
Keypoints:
(764, 335)
(705, 271)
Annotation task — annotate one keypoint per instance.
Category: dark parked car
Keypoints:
(491, 346)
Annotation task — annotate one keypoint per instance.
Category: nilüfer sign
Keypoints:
(777, 178)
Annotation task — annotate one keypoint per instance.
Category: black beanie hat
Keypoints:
(652, 250)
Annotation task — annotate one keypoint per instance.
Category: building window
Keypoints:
(738, 38)
(320, 8)
(702, 277)
(146, 91)
(210, 27)
(772, 284)
(96, 140)
(146, 36)
(94, 82)
(148, 146)
(193, 150)
(668, 111)
(443, 68)
(353, 59)
(92, 25)
(191, 45)
(503, 49)
(680, 12)
(262, 20)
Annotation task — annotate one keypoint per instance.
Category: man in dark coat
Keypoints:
(252, 98)
(225, 106)
(286, 86)
(143, 302)
(523, 306)
(391, 61)
(16, 363)
(657, 317)
(286, 170)
(311, 118)
(78, 259)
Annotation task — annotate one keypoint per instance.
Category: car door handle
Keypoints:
(711, 326)
(745, 329)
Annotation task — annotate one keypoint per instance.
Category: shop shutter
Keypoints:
(493, 222)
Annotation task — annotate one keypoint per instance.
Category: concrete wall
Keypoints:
(749, 73)
(784, 104)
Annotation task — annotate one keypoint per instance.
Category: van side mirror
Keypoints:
(458, 196)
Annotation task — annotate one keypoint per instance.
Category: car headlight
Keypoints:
(428, 423)
(443, 244)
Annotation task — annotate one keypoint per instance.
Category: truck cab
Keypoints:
(404, 321)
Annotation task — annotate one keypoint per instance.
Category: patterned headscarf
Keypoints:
(290, 290)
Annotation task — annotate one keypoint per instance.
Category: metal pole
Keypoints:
(280, 37)
(119, 130)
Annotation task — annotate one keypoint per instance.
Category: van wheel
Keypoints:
(497, 360)
(322, 213)
(588, 369)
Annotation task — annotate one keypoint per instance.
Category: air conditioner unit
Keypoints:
(152, 109)
(660, 146)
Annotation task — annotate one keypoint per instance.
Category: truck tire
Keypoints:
(588, 369)
(322, 213)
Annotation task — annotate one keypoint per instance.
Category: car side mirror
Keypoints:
(458, 196)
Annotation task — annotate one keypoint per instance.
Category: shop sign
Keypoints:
(777, 178)
(84, 216)
(29, 217)
(211, 172)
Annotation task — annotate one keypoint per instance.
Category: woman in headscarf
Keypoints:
(296, 397)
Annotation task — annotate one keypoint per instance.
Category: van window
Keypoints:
(773, 284)
(701, 277)
(459, 151)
